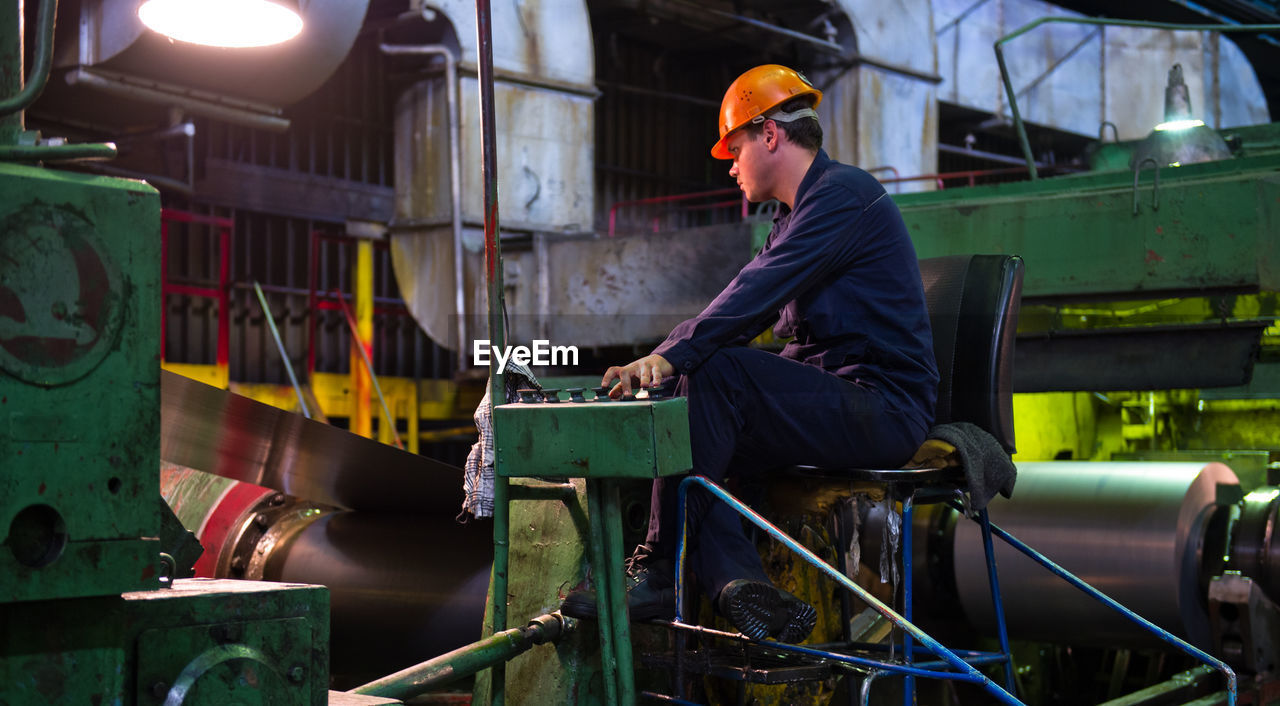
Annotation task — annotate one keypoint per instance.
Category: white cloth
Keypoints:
(477, 472)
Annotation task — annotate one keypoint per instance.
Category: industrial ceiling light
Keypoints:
(1180, 138)
(223, 23)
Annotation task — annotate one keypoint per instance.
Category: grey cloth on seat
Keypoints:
(987, 467)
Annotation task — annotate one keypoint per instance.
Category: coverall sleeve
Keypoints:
(819, 239)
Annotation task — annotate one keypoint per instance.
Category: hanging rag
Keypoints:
(987, 467)
(477, 472)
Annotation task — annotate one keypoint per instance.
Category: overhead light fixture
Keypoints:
(223, 23)
(1180, 138)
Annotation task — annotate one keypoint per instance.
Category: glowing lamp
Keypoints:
(223, 23)
(1180, 138)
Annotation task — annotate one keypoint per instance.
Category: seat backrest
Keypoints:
(973, 305)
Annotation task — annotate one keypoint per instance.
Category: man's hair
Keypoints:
(804, 132)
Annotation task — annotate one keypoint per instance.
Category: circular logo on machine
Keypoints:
(61, 297)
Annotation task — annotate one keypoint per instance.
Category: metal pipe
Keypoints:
(821, 44)
(990, 156)
(455, 175)
(11, 63)
(465, 661)
(368, 365)
(855, 660)
(997, 603)
(1020, 127)
(908, 654)
(668, 95)
(959, 18)
(532, 80)
(223, 359)
(497, 337)
(57, 153)
(284, 355)
(233, 112)
(160, 182)
(1059, 62)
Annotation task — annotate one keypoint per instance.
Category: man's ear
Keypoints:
(771, 135)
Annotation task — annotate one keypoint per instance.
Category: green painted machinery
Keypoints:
(1149, 279)
(91, 611)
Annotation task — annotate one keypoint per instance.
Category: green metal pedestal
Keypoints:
(600, 442)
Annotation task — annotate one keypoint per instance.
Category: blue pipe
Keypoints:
(909, 683)
(997, 602)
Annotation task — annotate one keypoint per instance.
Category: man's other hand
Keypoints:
(648, 371)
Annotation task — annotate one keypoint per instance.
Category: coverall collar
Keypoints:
(820, 163)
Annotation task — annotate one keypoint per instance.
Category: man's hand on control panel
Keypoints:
(645, 372)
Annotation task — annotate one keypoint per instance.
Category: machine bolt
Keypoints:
(276, 500)
(261, 520)
(237, 564)
(296, 674)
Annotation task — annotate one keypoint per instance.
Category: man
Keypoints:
(855, 387)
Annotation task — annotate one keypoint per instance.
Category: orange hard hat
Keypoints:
(755, 93)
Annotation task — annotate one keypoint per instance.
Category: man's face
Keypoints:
(750, 159)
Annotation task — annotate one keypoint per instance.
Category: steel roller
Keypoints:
(1132, 530)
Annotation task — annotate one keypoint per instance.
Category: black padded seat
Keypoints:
(973, 303)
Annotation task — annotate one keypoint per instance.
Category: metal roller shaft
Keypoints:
(1132, 530)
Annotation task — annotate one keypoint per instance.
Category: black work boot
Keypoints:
(759, 610)
(651, 591)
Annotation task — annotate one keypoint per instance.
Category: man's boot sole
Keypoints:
(759, 610)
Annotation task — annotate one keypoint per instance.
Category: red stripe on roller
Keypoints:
(223, 520)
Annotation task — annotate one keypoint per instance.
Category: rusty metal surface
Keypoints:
(216, 431)
(578, 291)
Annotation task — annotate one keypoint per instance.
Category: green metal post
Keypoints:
(10, 68)
(497, 337)
(1020, 127)
(604, 579)
(14, 97)
(612, 521)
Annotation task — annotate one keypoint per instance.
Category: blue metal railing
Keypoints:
(947, 658)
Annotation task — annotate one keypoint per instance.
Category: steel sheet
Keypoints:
(213, 430)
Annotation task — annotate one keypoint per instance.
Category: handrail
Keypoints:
(45, 16)
(1021, 128)
(613, 210)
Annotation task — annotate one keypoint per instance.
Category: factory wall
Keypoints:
(1074, 76)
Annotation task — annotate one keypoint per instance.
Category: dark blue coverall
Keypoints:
(855, 388)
